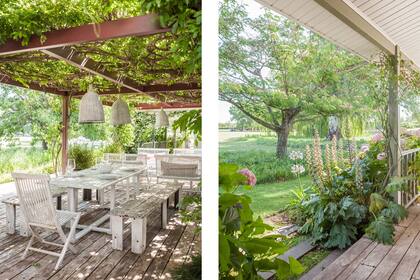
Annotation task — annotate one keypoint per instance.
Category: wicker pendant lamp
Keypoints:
(162, 119)
(91, 109)
(120, 113)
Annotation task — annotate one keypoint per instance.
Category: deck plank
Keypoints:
(377, 255)
(409, 262)
(362, 272)
(386, 267)
(95, 259)
(180, 254)
(158, 264)
(337, 267)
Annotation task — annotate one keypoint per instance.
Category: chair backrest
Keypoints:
(35, 199)
(180, 166)
(153, 151)
(140, 159)
(187, 151)
(113, 157)
(153, 145)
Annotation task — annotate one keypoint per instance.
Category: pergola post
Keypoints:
(394, 117)
(65, 101)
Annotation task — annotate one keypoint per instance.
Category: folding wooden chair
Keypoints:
(38, 211)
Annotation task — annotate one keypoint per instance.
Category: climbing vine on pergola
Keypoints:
(149, 51)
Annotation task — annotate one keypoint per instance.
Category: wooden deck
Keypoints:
(369, 260)
(167, 249)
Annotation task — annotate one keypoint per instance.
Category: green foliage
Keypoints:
(112, 149)
(190, 210)
(266, 166)
(412, 142)
(83, 156)
(167, 58)
(244, 250)
(190, 123)
(356, 199)
(144, 129)
(274, 71)
(184, 16)
(22, 19)
(29, 159)
(188, 271)
(123, 136)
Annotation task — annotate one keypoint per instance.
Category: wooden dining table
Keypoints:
(96, 179)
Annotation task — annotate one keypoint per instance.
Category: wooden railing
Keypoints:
(409, 196)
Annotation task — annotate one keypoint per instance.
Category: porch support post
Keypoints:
(394, 118)
(64, 131)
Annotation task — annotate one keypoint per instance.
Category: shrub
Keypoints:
(244, 248)
(266, 166)
(113, 149)
(350, 196)
(83, 157)
(189, 271)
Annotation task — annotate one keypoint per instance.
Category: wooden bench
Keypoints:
(12, 202)
(138, 209)
(164, 191)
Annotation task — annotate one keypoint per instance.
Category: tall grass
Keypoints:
(258, 153)
(28, 159)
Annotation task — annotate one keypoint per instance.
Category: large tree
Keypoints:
(278, 73)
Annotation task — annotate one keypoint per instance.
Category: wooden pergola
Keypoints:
(80, 48)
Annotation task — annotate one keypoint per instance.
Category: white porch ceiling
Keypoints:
(364, 27)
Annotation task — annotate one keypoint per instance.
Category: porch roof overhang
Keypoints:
(363, 27)
(84, 53)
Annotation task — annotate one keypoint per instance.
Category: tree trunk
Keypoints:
(333, 128)
(44, 145)
(282, 137)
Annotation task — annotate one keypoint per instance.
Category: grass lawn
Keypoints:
(258, 153)
(273, 197)
(12, 159)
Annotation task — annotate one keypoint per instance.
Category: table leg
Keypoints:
(87, 194)
(72, 194)
(138, 235)
(164, 214)
(176, 199)
(117, 226)
(100, 196)
(11, 218)
(59, 203)
(112, 197)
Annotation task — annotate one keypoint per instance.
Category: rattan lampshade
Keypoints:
(120, 113)
(162, 119)
(91, 109)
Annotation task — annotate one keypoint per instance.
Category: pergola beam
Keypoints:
(6, 80)
(85, 64)
(135, 26)
(126, 85)
(151, 89)
(167, 105)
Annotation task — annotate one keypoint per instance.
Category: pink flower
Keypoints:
(251, 179)
(377, 137)
(364, 148)
(413, 132)
(381, 156)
